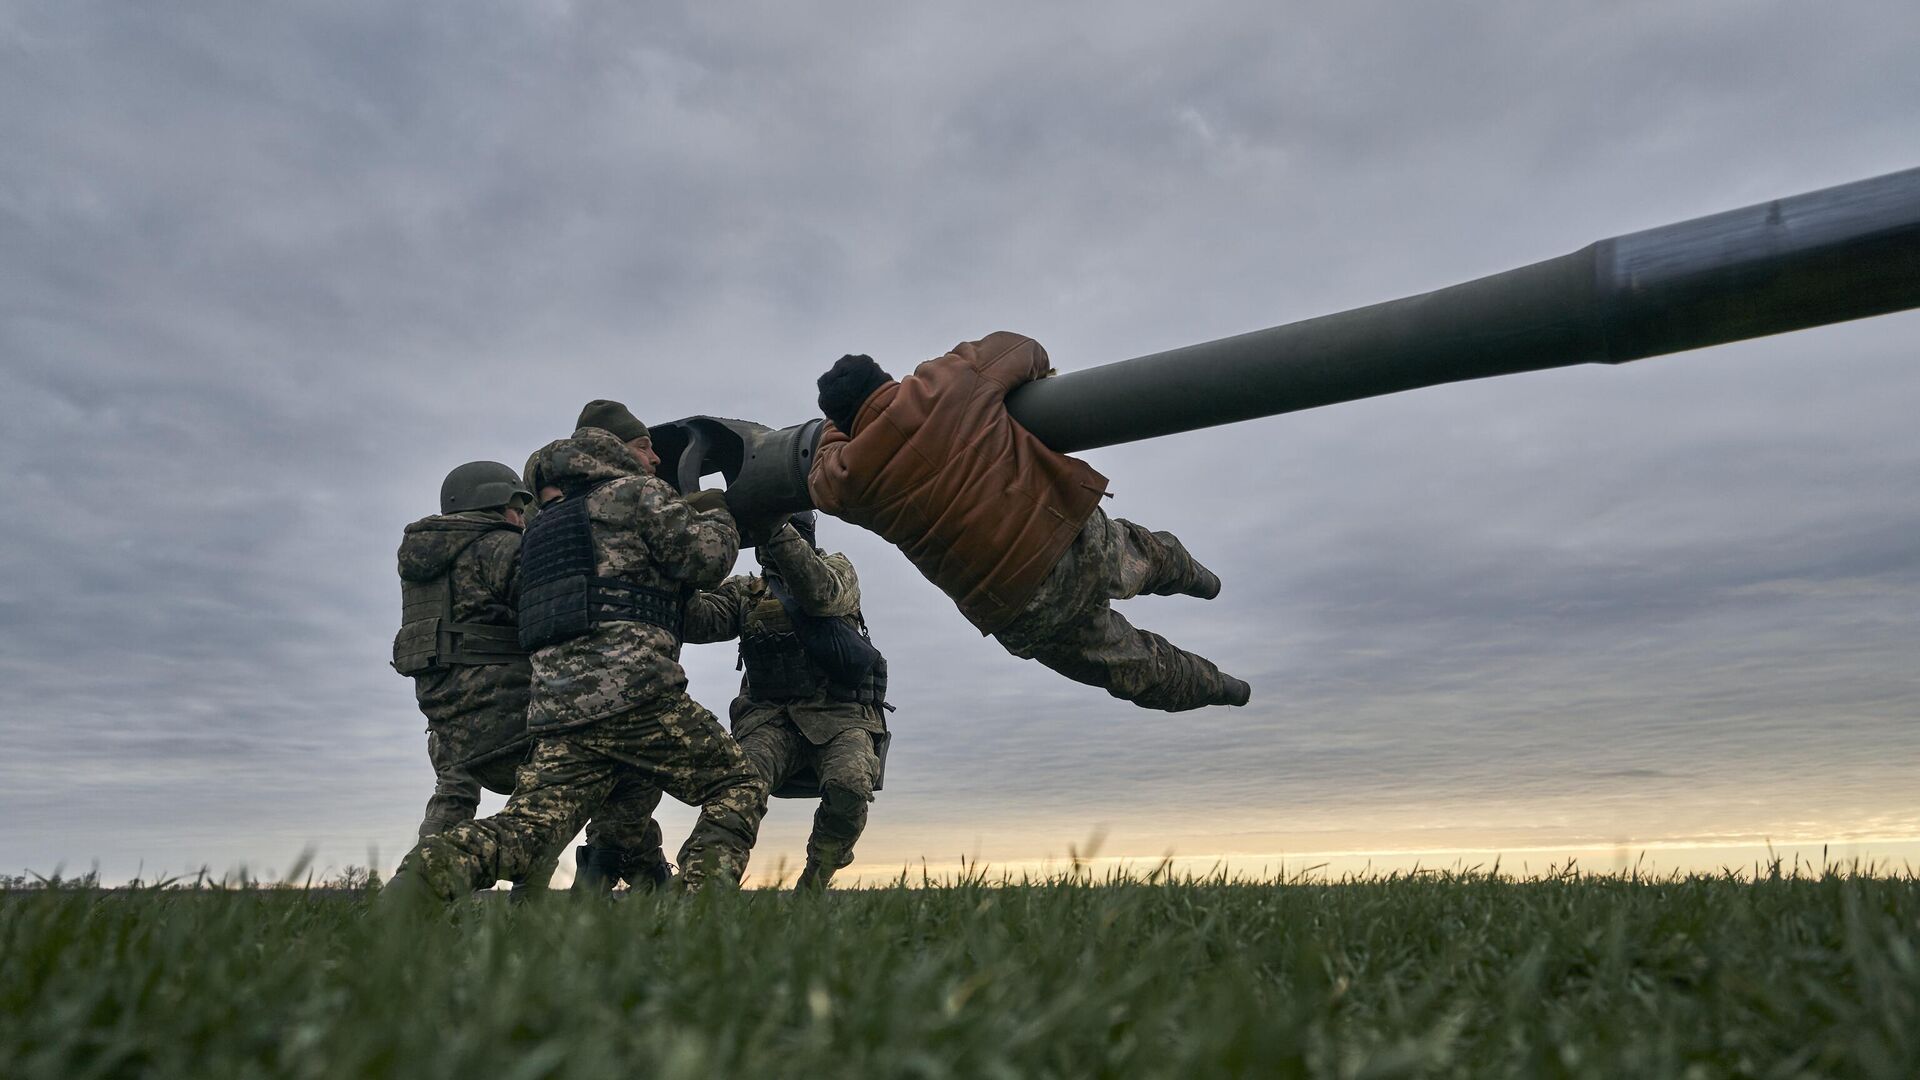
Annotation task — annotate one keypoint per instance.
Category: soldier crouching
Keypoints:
(458, 640)
(809, 713)
(606, 568)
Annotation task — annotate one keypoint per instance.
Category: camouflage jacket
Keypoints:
(475, 712)
(644, 533)
(822, 584)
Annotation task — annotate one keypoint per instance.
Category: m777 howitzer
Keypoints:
(1828, 256)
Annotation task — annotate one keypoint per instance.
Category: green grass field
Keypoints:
(1430, 975)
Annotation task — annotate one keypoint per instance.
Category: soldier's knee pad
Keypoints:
(846, 794)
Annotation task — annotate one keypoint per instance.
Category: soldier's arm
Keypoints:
(689, 545)
(1010, 359)
(500, 566)
(823, 585)
(716, 615)
(828, 479)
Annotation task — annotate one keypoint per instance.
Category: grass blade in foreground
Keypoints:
(1444, 975)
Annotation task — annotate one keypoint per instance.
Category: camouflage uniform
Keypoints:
(624, 824)
(609, 708)
(825, 743)
(1071, 627)
(477, 713)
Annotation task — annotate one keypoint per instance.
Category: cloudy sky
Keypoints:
(268, 271)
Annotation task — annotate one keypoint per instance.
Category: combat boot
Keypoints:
(1233, 691)
(1175, 572)
(814, 878)
(651, 874)
(595, 869)
(1204, 583)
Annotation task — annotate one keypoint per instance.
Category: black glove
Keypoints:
(755, 533)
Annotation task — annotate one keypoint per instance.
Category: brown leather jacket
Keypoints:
(937, 467)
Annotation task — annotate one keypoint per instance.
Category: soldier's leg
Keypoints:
(1103, 649)
(848, 768)
(538, 882)
(776, 750)
(694, 759)
(563, 782)
(1071, 627)
(456, 793)
(456, 796)
(1156, 563)
(623, 839)
(500, 774)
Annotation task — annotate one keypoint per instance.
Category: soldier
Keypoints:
(1008, 528)
(809, 710)
(606, 570)
(460, 593)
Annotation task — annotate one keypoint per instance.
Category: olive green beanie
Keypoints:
(612, 416)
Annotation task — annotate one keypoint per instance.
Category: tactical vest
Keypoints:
(779, 668)
(430, 641)
(562, 595)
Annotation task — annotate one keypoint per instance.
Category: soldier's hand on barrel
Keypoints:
(755, 534)
(707, 500)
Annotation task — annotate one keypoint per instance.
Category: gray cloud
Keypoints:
(266, 274)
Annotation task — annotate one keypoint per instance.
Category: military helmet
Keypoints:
(480, 485)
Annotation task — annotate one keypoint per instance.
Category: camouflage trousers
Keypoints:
(456, 788)
(624, 823)
(847, 768)
(679, 749)
(1071, 627)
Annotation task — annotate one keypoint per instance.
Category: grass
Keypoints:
(1406, 976)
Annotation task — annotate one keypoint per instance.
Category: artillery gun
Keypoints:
(1827, 256)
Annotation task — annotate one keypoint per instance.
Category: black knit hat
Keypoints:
(612, 416)
(846, 386)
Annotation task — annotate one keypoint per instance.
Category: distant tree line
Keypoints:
(351, 878)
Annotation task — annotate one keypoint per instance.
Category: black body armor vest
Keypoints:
(780, 666)
(430, 641)
(561, 595)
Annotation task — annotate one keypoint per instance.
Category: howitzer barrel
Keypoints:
(1824, 257)
(1828, 256)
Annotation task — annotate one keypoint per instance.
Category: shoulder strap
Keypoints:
(470, 642)
(838, 644)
